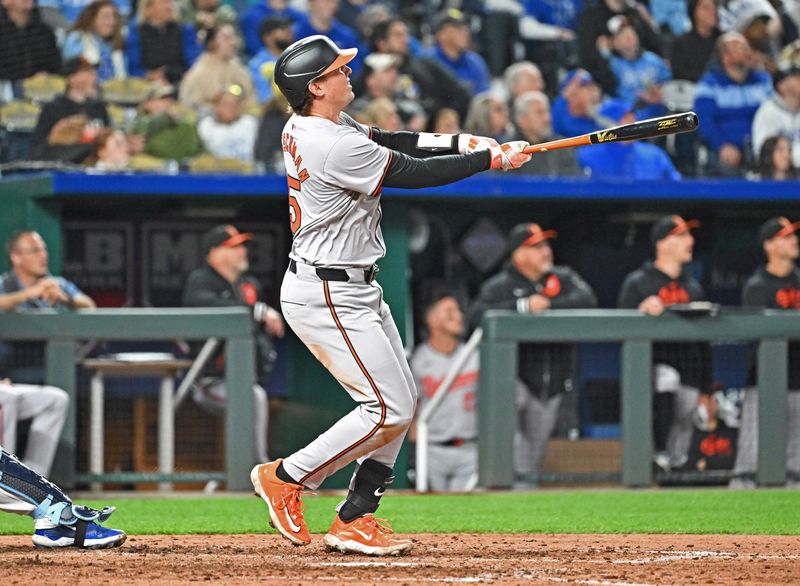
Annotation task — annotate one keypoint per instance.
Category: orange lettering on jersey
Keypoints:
(714, 445)
(289, 145)
(430, 384)
(672, 293)
(788, 298)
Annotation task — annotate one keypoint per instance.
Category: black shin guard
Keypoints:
(370, 483)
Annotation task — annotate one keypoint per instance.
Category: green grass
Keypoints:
(767, 512)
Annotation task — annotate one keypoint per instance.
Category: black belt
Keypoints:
(338, 274)
(454, 443)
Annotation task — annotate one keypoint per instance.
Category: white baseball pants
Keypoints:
(350, 330)
(47, 407)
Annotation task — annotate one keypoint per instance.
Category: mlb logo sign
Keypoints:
(173, 250)
(99, 259)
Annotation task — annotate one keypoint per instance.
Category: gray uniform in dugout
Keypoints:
(453, 432)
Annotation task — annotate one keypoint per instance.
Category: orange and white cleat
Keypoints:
(283, 502)
(368, 535)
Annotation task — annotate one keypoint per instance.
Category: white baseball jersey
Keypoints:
(335, 174)
(457, 416)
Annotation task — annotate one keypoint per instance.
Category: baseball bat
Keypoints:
(672, 124)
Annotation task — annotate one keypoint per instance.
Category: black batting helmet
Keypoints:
(304, 61)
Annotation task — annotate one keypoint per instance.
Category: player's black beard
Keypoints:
(282, 44)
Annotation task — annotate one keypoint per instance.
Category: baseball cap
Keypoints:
(161, 91)
(224, 235)
(785, 69)
(376, 62)
(528, 234)
(775, 228)
(272, 24)
(670, 226)
(75, 64)
(450, 17)
(583, 76)
(617, 23)
(615, 109)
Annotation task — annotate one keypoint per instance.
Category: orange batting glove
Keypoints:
(509, 155)
(469, 143)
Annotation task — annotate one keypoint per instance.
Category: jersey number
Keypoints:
(469, 401)
(295, 214)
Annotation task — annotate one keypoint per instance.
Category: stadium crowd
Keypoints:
(163, 84)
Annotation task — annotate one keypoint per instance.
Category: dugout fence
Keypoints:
(504, 330)
(61, 332)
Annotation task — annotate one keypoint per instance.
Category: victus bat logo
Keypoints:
(606, 136)
(669, 123)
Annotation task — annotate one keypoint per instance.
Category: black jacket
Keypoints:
(163, 47)
(52, 112)
(764, 289)
(546, 369)
(692, 361)
(28, 50)
(205, 287)
(691, 54)
(594, 23)
(438, 87)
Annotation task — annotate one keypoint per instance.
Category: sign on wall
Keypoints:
(172, 250)
(99, 258)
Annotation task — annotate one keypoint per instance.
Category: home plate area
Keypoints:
(602, 560)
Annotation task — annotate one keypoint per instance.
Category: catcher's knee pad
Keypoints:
(27, 487)
(30, 493)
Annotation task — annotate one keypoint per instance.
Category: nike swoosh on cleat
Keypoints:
(292, 526)
(362, 534)
(380, 491)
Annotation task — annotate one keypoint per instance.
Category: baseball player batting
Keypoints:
(336, 169)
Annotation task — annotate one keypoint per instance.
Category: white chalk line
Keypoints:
(671, 556)
(366, 564)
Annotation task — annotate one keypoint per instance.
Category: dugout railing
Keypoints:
(636, 332)
(61, 332)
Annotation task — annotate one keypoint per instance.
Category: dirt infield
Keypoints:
(605, 560)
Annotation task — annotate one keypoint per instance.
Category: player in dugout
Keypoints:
(330, 298)
(681, 369)
(774, 285)
(531, 283)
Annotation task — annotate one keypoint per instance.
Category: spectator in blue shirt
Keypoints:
(561, 13)
(276, 35)
(97, 35)
(636, 161)
(639, 73)
(61, 14)
(726, 102)
(575, 110)
(453, 40)
(671, 16)
(322, 21)
(251, 19)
